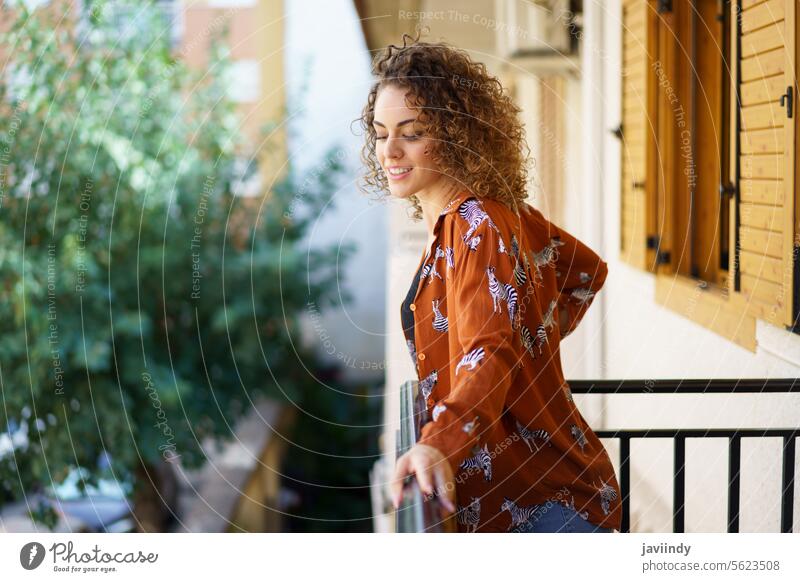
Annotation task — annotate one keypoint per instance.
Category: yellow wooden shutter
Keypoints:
(767, 157)
(637, 130)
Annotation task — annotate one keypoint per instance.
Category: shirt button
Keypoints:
(412, 307)
(421, 356)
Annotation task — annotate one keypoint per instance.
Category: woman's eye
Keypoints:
(406, 137)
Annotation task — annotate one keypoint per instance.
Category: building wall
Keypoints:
(645, 340)
(256, 40)
(327, 68)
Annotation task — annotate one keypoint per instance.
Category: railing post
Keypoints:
(679, 486)
(734, 459)
(625, 482)
(787, 484)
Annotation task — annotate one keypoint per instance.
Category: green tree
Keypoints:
(143, 306)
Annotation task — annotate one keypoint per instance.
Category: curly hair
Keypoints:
(473, 122)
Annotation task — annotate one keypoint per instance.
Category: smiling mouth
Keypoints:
(398, 173)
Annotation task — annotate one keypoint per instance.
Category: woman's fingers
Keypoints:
(423, 472)
(445, 494)
(432, 476)
(400, 472)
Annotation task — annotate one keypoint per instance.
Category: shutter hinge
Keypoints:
(727, 190)
(662, 257)
(664, 6)
(787, 100)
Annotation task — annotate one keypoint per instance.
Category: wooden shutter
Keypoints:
(766, 74)
(637, 130)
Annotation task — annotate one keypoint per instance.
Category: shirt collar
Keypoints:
(456, 202)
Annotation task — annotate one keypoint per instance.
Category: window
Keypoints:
(693, 122)
(709, 157)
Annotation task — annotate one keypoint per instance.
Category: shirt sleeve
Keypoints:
(580, 274)
(483, 301)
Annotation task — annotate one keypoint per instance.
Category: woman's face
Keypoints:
(401, 146)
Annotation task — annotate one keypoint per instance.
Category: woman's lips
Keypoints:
(398, 176)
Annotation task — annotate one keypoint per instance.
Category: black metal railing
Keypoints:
(679, 436)
(417, 514)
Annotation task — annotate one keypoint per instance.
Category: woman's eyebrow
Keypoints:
(376, 122)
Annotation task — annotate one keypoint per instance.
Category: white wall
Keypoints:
(326, 37)
(645, 340)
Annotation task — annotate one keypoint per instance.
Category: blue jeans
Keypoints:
(554, 517)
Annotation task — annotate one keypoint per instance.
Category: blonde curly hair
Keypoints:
(480, 140)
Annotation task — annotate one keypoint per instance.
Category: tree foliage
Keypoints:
(143, 307)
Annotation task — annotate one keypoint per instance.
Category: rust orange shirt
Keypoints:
(486, 350)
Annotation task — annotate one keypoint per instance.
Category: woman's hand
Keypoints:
(432, 471)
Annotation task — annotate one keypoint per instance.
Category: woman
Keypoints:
(499, 286)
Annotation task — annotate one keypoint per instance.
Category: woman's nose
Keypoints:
(393, 148)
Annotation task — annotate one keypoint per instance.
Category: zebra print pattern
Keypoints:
(482, 461)
(519, 274)
(450, 258)
(541, 337)
(474, 242)
(511, 302)
(607, 495)
(582, 295)
(426, 384)
(531, 436)
(584, 277)
(469, 427)
(470, 515)
(519, 514)
(439, 320)
(437, 410)
(500, 292)
(432, 272)
(546, 257)
(527, 340)
(578, 435)
(514, 246)
(549, 320)
(571, 505)
(555, 242)
(496, 290)
(426, 268)
(472, 212)
(471, 359)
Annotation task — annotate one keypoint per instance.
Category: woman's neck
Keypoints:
(433, 201)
